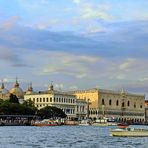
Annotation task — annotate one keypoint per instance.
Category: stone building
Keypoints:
(146, 112)
(51, 97)
(119, 104)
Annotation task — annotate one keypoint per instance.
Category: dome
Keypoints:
(16, 90)
(30, 89)
(3, 90)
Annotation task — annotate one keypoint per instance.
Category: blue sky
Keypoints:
(77, 44)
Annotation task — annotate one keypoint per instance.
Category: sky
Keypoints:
(75, 44)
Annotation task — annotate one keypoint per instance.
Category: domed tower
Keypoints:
(51, 87)
(30, 89)
(4, 93)
(16, 90)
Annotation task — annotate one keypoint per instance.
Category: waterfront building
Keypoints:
(119, 104)
(81, 109)
(146, 111)
(51, 97)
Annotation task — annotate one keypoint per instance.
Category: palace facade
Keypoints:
(119, 104)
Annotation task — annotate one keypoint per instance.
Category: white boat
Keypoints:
(104, 122)
(129, 132)
(85, 122)
(46, 122)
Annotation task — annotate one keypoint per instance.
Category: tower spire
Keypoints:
(2, 86)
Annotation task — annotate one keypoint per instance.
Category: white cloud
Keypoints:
(77, 1)
(127, 64)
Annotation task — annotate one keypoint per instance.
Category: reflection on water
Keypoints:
(65, 137)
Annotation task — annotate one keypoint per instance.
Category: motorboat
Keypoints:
(104, 122)
(46, 122)
(122, 125)
(85, 122)
(129, 132)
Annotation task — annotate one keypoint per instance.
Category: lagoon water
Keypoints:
(65, 137)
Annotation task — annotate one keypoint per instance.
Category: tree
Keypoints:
(13, 99)
(51, 112)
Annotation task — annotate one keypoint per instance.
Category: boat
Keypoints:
(46, 122)
(129, 132)
(85, 122)
(122, 125)
(104, 122)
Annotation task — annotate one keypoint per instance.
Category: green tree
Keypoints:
(13, 99)
(51, 112)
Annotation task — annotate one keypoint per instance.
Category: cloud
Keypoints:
(9, 23)
(69, 64)
(127, 64)
(77, 1)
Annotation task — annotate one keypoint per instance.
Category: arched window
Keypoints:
(103, 103)
(128, 103)
(134, 105)
(110, 102)
(123, 104)
(50, 99)
(140, 106)
(46, 99)
(117, 103)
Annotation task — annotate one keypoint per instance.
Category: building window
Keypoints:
(110, 102)
(117, 103)
(40, 99)
(134, 105)
(128, 103)
(140, 106)
(43, 99)
(54, 99)
(62, 99)
(37, 100)
(123, 104)
(103, 103)
(50, 99)
(33, 99)
(46, 99)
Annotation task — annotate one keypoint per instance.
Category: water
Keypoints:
(65, 137)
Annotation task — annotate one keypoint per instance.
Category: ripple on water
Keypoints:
(65, 137)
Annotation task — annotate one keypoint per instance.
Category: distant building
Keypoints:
(119, 104)
(146, 111)
(51, 97)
